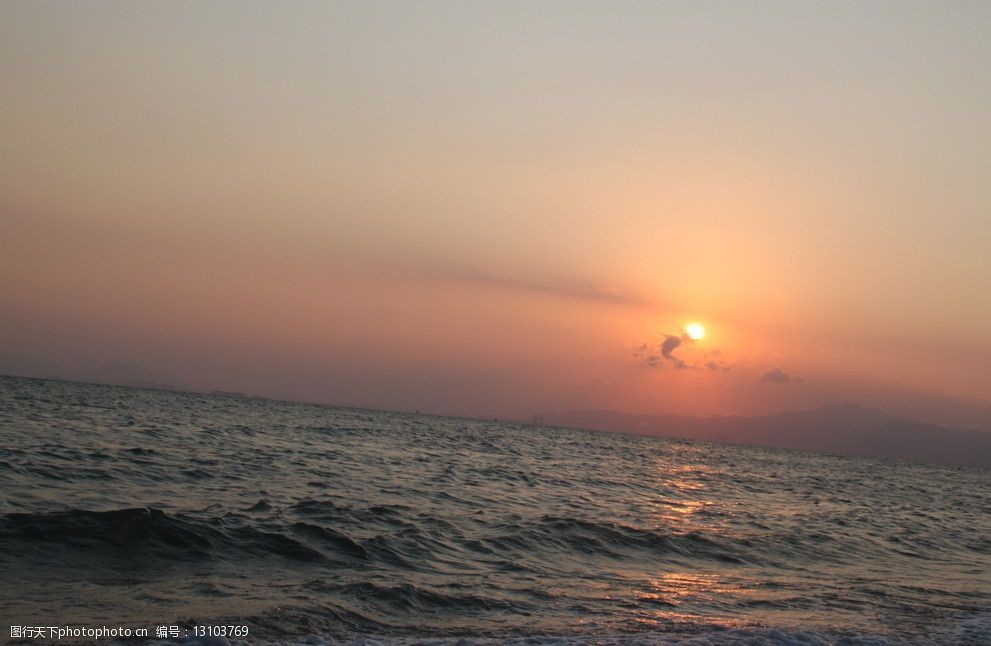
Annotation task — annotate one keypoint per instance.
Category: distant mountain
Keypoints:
(844, 429)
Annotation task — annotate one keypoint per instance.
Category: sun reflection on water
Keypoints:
(676, 597)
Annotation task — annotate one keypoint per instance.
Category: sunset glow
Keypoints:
(218, 216)
(557, 322)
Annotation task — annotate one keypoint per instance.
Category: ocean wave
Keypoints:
(554, 535)
(149, 534)
(140, 506)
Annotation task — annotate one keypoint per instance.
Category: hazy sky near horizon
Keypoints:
(486, 208)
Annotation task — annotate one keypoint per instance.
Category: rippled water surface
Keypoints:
(129, 506)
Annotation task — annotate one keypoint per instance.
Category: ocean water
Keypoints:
(309, 524)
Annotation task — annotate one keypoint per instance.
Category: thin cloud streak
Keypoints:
(551, 287)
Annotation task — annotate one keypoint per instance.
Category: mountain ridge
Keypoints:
(844, 429)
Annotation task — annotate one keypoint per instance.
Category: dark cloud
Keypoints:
(643, 352)
(667, 347)
(779, 376)
(666, 353)
(714, 362)
(671, 343)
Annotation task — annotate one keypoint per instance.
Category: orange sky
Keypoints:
(484, 210)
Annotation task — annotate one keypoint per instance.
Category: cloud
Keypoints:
(779, 376)
(714, 362)
(642, 352)
(540, 283)
(666, 354)
(666, 348)
(669, 345)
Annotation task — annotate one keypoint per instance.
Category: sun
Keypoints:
(695, 331)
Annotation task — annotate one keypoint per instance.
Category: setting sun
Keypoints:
(695, 331)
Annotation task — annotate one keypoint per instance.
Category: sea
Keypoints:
(223, 519)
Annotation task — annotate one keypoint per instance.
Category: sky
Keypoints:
(504, 209)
